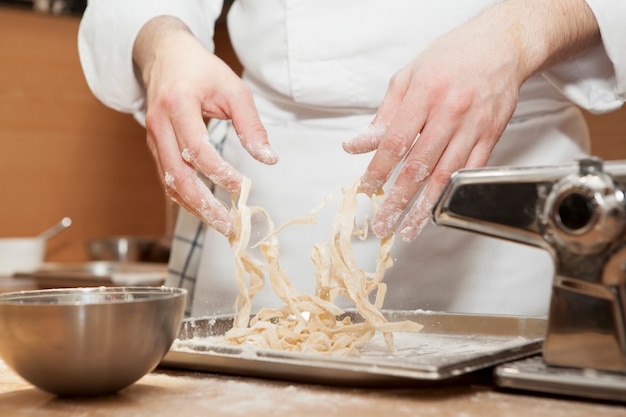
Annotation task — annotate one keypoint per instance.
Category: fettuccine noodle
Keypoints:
(309, 323)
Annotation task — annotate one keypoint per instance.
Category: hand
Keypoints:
(185, 84)
(443, 111)
(447, 109)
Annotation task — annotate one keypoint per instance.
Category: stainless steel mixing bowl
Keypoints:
(88, 341)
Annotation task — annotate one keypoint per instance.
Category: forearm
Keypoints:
(544, 32)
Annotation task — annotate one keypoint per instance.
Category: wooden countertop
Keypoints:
(102, 173)
(176, 393)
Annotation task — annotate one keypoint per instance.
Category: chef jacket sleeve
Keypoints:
(107, 34)
(596, 80)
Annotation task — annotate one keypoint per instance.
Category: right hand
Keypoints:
(185, 84)
(449, 106)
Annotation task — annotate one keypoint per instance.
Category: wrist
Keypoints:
(152, 39)
(544, 33)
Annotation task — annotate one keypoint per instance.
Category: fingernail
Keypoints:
(383, 223)
(169, 180)
(188, 155)
(225, 228)
(268, 156)
(366, 141)
(371, 186)
(380, 229)
(261, 152)
(409, 233)
(214, 213)
(221, 221)
(226, 177)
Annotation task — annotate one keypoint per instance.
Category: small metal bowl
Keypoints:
(129, 249)
(88, 341)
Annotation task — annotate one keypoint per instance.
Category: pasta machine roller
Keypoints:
(577, 212)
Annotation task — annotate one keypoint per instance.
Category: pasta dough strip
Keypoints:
(309, 323)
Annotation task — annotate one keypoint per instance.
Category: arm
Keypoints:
(447, 109)
(596, 80)
(107, 32)
(186, 83)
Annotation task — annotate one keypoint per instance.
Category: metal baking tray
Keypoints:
(449, 347)
(97, 273)
(533, 374)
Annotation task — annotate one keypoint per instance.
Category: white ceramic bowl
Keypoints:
(21, 254)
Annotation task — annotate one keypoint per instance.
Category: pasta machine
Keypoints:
(577, 212)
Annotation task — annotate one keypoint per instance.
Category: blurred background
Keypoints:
(63, 153)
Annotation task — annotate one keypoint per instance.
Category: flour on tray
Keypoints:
(308, 322)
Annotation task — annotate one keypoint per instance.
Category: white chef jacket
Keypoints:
(318, 70)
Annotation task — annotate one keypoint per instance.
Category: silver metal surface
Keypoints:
(97, 273)
(576, 212)
(533, 374)
(129, 249)
(63, 224)
(449, 347)
(88, 341)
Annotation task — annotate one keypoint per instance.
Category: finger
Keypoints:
(399, 137)
(155, 128)
(189, 191)
(369, 140)
(413, 174)
(419, 215)
(249, 128)
(454, 158)
(480, 155)
(195, 148)
(204, 158)
(183, 185)
(393, 147)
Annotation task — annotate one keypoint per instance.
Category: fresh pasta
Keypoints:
(311, 322)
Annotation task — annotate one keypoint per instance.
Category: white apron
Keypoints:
(336, 56)
(443, 270)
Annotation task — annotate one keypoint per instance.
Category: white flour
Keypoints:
(414, 349)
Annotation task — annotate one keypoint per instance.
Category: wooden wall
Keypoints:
(63, 153)
(608, 133)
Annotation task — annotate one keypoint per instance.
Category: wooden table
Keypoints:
(10, 284)
(186, 394)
